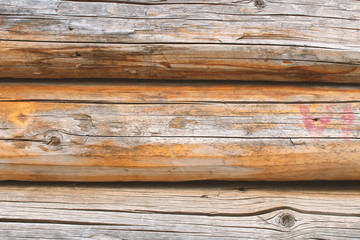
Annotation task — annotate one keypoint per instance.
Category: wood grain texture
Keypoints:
(173, 39)
(208, 210)
(176, 132)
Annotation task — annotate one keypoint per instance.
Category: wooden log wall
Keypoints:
(124, 90)
(171, 131)
(275, 40)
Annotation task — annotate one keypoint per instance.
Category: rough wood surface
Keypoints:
(177, 132)
(207, 210)
(283, 40)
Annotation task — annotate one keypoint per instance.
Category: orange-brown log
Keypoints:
(178, 132)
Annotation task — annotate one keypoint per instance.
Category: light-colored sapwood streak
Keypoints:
(83, 91)
(181, 40)
(177, 132)
(208, 210)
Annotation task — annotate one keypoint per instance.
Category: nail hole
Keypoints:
(241, 189)
(316, 119)
(70, 28)
(77, 54)
(287, 220)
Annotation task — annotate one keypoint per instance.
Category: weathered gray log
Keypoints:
(180, 211)
(223, 40)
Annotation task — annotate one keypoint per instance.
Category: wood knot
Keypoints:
(287, 220)
(260, 4)
(22, 117)
(53, 139)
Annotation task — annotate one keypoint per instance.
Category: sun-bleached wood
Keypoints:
(178, 132)
(208, 210)
(301, 40)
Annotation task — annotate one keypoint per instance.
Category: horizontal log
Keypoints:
(176, 132)
(157, 211)
(173, 39)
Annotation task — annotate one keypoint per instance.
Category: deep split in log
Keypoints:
(177, 132)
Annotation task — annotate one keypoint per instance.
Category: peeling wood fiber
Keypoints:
(303, 40)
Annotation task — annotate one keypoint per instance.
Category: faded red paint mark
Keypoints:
(348, 117)
(315, 125)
